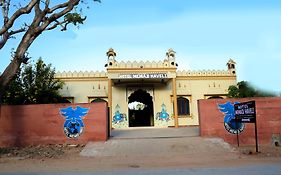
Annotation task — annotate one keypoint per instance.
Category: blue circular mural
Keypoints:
(230, 124)
(73, 125)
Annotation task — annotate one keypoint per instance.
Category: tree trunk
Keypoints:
(8, 75)
(19, 58)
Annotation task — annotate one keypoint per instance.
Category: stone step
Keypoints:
(151, 132)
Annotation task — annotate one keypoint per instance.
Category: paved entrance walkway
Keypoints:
(158, 147)
(141, 145)
(157, 142)
(149, 132)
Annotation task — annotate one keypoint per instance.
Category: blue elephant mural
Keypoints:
(230, 124)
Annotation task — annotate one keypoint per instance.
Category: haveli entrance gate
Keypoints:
(173, 94)
(147, 87)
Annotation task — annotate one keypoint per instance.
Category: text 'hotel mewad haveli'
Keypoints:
(151, 93)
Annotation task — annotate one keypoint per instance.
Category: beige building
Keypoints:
(152, 93)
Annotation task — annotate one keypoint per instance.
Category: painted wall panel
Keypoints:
(43, 124)
(268, 120)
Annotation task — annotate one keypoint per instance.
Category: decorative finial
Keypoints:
(171, 53)
(111, 53)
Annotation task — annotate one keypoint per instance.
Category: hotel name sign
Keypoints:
(143, 76)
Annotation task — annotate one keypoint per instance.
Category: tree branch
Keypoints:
(37, 9)
(47, 3)
(7, 35)
(5, 9)
(59, 6)
(58, 15)
(63, 25)
(4, 39)
(12, 32)
(24, 10)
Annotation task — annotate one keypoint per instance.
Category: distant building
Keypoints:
(158, 94)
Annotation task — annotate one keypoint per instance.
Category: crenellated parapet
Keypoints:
(103, 74)
(81, 74)
(205, 73)
(141, 64)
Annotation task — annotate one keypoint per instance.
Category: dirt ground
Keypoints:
(67, 158)
(56, 151)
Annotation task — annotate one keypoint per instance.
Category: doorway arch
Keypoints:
(141, 117)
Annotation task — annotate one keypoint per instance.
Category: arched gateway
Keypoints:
(141, 117)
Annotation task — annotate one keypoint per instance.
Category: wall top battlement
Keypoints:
(206, 73)
(103, 74)
(142, 64)
(75, 74)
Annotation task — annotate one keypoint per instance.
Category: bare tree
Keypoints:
(44, 15)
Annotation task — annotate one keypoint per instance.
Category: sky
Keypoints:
(204, 33)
